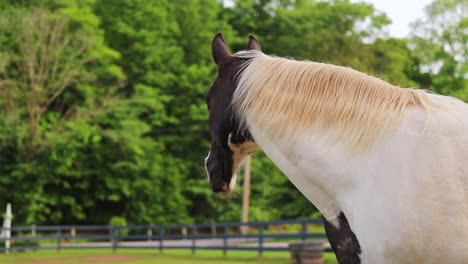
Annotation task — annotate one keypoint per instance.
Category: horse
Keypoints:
(386, 166)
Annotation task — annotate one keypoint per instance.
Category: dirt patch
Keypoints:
(83, 260)
(108, 258)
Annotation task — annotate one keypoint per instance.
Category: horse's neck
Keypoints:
(290, 159)
(325, 172)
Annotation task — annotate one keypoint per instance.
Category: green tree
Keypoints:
(145, 181)
(58, 75)
(439, 43)
(166, 56)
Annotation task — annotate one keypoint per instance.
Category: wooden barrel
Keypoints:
(309, 252)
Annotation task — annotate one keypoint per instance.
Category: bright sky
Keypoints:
(401, 12)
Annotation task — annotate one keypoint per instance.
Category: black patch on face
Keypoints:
(222, 123)
(343, 241)
(219, 97)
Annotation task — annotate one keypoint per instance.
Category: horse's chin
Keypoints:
(229, 189)
(229, 193)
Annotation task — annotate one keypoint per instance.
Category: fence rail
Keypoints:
(263, 236)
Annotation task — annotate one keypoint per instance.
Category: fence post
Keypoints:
(7, 225)
(260, 240)
(149, 234)
(114, 238)
(7, 236)
(194, 238)
(161, 234)
(59, 239)
(213, 227)
(304, 231)
(225, 237)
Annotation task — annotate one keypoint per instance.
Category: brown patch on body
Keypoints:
(240, 152)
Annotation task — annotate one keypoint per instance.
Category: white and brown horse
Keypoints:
(387, 167)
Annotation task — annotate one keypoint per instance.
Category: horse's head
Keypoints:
(229, 145)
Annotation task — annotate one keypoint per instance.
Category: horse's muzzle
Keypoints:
(218, 165)
(219, 186)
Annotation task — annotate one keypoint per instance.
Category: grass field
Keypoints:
(137, 256)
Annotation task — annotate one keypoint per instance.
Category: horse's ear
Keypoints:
(219, 48)
(253, 44)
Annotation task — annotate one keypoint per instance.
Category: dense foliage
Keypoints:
(102, 102)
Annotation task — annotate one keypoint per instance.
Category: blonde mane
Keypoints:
(284, 97)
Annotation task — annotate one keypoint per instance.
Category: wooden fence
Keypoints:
(262, 236)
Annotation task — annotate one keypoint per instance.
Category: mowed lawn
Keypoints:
(137, 256)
